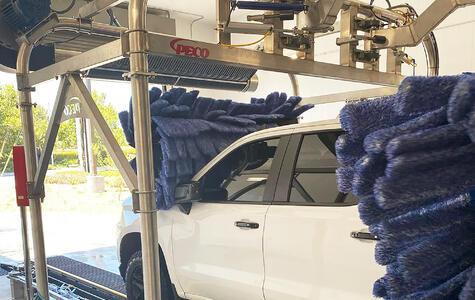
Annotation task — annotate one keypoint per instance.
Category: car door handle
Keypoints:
(364, 236)
(246, 225)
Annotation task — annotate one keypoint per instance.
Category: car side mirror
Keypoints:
(186, 194)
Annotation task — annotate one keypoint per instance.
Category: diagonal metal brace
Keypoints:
(51, 134)
(104, 131)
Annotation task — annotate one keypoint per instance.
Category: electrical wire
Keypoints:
(387, 1)
(78, 34)
(73, 2)
(233, 7)
(113, 19)
(249, 44)
(376, 16)
(431, 35)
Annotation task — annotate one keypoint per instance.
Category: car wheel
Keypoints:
(134, 279)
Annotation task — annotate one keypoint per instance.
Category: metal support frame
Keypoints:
(159, 44)
(412, 34)
(348, 30)
(374, 66)
(100, 124)
(138, 38)
(136, 44)
(95, 7)
(350, 96)
(393, 61)
(51, 134)
(70, 83)
(26, 114)
(320, 16)
(223, 9)
(26, 254)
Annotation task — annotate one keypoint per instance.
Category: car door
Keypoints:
(218, 246)
(308, 249)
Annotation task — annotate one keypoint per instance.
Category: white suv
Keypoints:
(267, 222)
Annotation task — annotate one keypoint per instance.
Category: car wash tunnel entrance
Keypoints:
(173, 131)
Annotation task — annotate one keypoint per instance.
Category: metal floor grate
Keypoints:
(99, 276)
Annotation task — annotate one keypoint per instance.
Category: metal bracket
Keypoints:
(38, 193)
(355, 38)
(23, 84)
(136, 201)
(26, 104)
(143, 40)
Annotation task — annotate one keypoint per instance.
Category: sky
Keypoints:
(117, 93)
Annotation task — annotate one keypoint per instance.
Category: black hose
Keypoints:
(387, 1)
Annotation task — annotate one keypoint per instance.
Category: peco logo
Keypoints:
(188, 50)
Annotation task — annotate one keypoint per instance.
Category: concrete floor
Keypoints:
(69, 234)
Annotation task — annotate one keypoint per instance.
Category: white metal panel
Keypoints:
(215, 259)
(309, 254)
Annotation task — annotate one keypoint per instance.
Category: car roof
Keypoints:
(326, 125)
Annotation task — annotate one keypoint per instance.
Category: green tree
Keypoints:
(66, 135)
(110, 115)
(10, 124)
(11, 128)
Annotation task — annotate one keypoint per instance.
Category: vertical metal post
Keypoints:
(368, 46)
(348, 29)
(295, 84)
(26, 114)
(79, 143)
(393, 62)
(138, 41)
(90, 139)
(308, 54)
(26, 253)
(272, 42)
(223, 8)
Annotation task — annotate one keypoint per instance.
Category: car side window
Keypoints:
(242, 175)
(313, 178)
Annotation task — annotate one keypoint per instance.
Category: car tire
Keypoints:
(134, 279)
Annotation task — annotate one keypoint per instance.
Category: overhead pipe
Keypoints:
(26, 114)
(295, 84)
(138, 37)
(432, 54)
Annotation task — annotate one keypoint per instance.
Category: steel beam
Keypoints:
(348, 30)
(26, 115)
(160, 45)
(350, 96)
(223, 10)
(98, 56)
(138, 50)
(100, 124)
(26, 254)
(51, 134)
